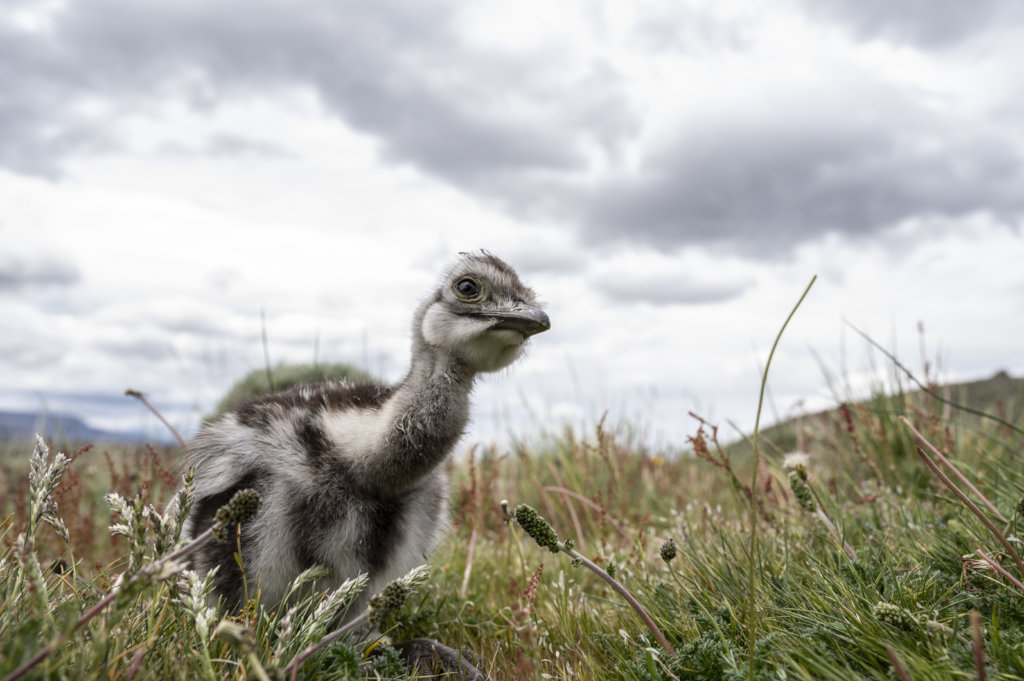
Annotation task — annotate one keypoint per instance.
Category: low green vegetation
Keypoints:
(261, 381)
(867, 565)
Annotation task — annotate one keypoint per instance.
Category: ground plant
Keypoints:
(886, 547)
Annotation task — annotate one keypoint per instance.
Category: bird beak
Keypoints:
(526, 319)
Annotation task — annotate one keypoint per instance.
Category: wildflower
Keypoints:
(797, 462)
(537, 527)
(668, 550)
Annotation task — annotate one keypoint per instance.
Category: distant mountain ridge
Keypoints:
(25, 425)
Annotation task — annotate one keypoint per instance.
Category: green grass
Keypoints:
(902, 588)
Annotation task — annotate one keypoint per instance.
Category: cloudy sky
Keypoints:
(669, 176)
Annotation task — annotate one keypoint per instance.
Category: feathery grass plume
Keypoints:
(30, 573)
(43, 478)
(391, 598)
(128, 586)
(330, 610)
(290, 625)
(132, 526)
(170, 523)
(195, 598)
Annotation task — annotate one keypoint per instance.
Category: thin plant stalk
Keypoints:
(587, 502)
(967, 483)
(896, 664)
(751, 586)
(962, 407)
(978, 644)
(142, 398)
(827, 522)
(1000, 569)
(959, 493)
(573, 517)
(470, 553)
(540, 531)
(622, 591)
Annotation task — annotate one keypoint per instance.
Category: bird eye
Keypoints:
(467, 289)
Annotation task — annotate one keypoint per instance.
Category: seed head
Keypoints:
(394, 595)
(241, 508)
(668, 550)
(802, 491)
(895, 616)
(535, 526)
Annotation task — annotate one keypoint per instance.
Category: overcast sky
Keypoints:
(668, 176)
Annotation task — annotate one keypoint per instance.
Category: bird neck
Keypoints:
(434, 397)
(427, 414)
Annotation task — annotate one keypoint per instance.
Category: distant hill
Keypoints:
(1001, 395)
(25, 425)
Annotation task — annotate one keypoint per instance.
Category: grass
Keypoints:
(867, 566)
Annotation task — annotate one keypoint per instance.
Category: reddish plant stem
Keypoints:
(959, 493)
(597, 507)
(978, 644)
(142, 398)
(464, 589)
(897, 665)
(1000, 569)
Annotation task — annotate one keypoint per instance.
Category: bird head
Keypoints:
(482, 314)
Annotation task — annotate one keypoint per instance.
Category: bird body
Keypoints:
(349, 474)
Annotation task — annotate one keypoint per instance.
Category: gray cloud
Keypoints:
(142, 347)
(854, 160)
(397, 70)
(27, 351)
(522, 128)
(925, 23)
(660, 289)
(18, 272)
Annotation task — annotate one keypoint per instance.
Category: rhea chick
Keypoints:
(350, 475)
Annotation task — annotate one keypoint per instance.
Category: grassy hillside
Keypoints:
(865, 565)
